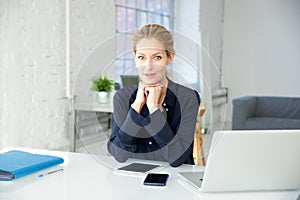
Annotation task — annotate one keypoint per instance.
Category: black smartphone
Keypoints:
(153, 179)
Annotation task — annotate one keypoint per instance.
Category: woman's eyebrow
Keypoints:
(157, 53)
(154, 54)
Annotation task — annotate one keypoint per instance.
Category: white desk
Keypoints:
(84, 177)
(96, 107)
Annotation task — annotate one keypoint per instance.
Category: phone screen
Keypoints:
(156, 179)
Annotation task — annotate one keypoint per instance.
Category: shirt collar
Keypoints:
(170, 98)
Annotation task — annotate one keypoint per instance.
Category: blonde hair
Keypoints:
(157, 32)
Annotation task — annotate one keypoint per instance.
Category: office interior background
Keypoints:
(250, 47)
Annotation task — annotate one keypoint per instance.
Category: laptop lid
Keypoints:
(253, 160)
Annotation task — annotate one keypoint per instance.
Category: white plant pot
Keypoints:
(103, 97)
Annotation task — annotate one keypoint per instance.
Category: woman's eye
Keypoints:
(140, 57)
(157, 57)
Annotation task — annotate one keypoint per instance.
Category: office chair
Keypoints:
(128, 80)
(198, 152)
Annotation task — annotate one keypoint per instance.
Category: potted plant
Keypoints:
(103, 86)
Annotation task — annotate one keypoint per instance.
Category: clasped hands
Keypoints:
(150, 94)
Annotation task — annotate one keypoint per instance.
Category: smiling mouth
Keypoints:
(149, 75)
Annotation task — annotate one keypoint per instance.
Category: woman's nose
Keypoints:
(149, 63)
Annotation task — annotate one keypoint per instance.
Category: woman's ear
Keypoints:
(170, 58)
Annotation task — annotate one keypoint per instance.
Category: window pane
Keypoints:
(166, 22)
(155, 18)
(120, 22)
(142, 18)
(131, 20)
(166, 7)
(132, 14)
(128, 67)
(141, 4)
(151, 5)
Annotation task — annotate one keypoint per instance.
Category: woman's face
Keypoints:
(151, 60)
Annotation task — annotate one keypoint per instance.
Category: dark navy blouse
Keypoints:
(162, 136)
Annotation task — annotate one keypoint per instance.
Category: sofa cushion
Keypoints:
(278, 107)
(260, 123)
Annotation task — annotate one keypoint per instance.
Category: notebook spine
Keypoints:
(37, 167)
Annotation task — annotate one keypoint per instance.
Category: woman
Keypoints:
(156, 119)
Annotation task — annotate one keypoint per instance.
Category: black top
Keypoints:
(162, 136)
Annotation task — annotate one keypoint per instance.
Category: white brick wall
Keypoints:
(33, 109)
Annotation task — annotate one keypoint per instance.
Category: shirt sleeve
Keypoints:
(126, 124)
(120, 144)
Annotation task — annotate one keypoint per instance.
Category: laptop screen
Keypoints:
(251, 160)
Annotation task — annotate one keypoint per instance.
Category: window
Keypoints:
(133, 14)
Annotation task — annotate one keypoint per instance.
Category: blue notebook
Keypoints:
(15, 164)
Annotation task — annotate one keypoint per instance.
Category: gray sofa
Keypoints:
(265, 112)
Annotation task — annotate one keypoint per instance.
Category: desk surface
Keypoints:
(86, 177)
(95, 107)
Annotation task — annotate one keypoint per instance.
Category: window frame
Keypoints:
(154, 11)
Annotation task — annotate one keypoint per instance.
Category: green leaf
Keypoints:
(102, 83)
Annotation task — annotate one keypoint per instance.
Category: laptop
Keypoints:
(250, 160)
